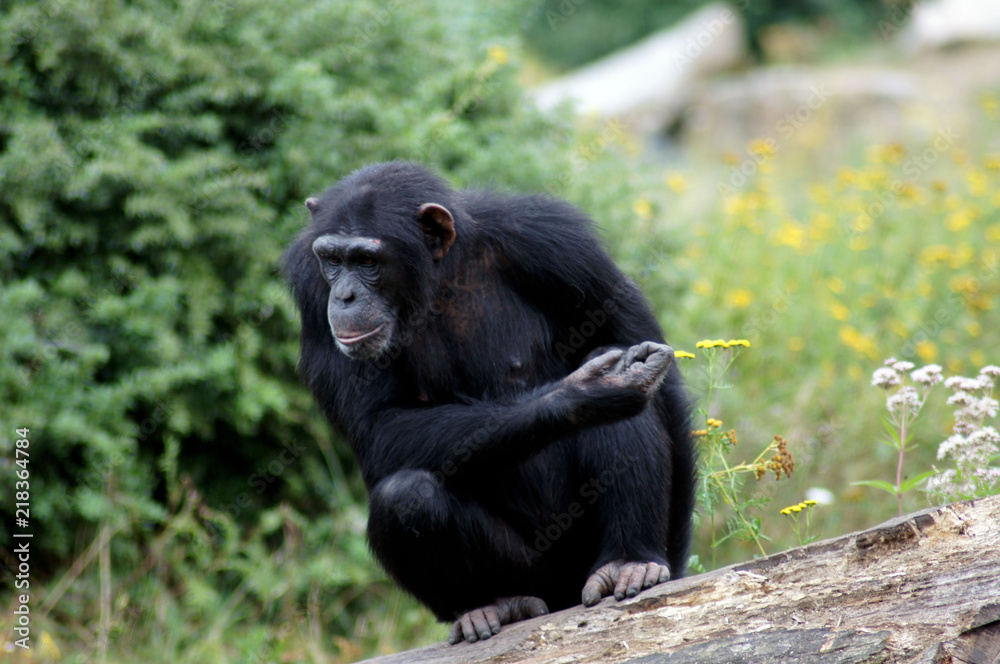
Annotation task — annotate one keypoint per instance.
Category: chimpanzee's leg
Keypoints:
(627, 481)
(451, 553)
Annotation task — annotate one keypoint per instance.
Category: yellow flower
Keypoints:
(741, 298)
(809, 502)
(790, 234)
(739, 342)
(795, 344)
(839, 311)
(787, 511)
(643, 208)
(498, 54)
(964, 285)
(974, 329)
(956, 366)
(958, 220)
(978, 183)
(763, 147)
(886, 154)
(684, 354)
(992, 162)
(677, 183)
(860, 343)
(927, 350)
(993, 233)
(712, 422)
(836, 285)
(702, 287)
(990, 104)
(859, 243)
(712, 343)
(962, 256)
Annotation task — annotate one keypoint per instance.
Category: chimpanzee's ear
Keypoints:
(438, 226)
(312, 204)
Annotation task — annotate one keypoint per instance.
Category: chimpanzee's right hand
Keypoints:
(617, 384)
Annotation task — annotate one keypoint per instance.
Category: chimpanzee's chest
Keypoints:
(487, 343)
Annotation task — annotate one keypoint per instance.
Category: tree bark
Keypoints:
(921, 589)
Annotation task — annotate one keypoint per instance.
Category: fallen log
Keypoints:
(921, 589)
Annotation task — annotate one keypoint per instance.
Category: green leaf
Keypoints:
(878, 484)
(908, 484)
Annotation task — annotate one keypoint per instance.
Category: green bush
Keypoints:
(153, 160)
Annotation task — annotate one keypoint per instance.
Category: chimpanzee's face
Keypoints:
(362, 319)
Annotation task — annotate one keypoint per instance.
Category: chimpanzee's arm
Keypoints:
(464, 438)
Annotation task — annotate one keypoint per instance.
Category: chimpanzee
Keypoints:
(522, 430)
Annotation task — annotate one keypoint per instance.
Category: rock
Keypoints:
(647, 85)
(933, 25)
(802, 107)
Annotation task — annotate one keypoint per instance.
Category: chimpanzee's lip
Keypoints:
(351, 339)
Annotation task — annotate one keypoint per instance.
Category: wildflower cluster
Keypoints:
(781, 463)
(973, 446)
(794, 512)
(904, 405)
(721, 484)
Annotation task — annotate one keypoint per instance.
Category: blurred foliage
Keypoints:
(188, 501)
(569, 33)
(828, 267)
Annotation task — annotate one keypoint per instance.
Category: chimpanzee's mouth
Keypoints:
(352, 338)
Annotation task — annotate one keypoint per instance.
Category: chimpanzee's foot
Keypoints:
(484, 622)
(624, 579)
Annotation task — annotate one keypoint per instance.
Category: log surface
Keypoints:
(924, 588)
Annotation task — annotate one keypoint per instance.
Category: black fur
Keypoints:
(487, 475)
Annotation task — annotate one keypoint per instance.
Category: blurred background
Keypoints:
(820, 178)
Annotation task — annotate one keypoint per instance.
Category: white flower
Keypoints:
(963, 399)
(929, 375)
(884, 378)
(904, 402)
(902, 367)
(820, 495)
(990, 370)
(987, 438)
(983, 408)
(962, 383)
(949, 446)
(891, 361)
